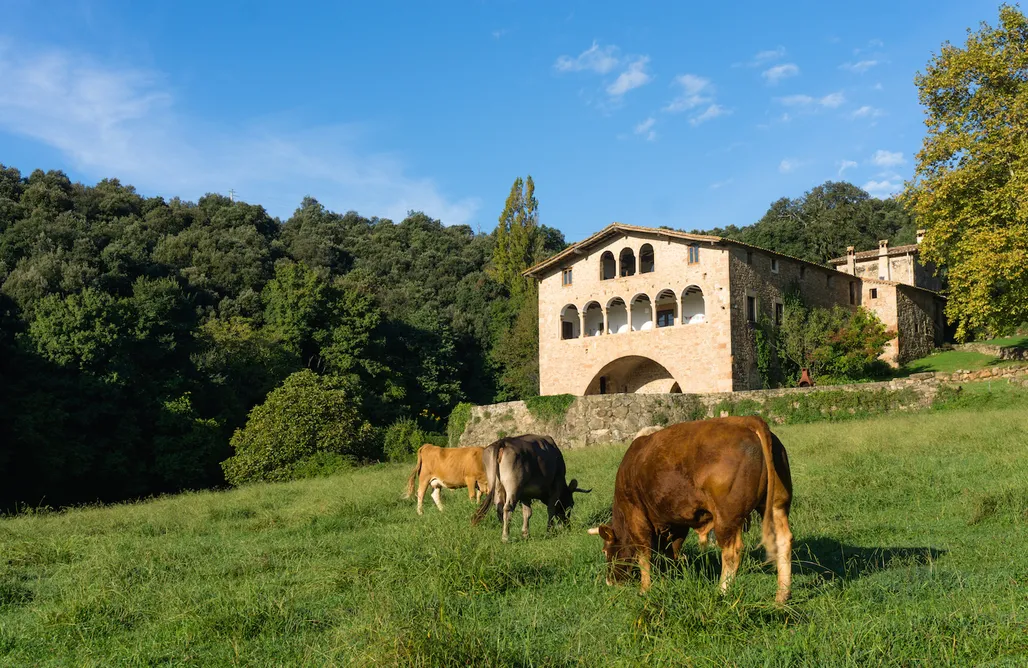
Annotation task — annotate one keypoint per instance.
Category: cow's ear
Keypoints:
(606, 533)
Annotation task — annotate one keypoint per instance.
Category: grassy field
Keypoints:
(910, 550)
(952, 360)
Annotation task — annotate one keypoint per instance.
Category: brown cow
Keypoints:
(451, 468)
(709, 474)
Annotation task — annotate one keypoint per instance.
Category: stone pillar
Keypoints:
(851, 261)
(604, 332)
(581, 324)
(653, 314)
(883, 260)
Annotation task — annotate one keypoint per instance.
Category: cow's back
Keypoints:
(453, 466)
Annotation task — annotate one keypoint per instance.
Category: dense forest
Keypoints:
(137, 335)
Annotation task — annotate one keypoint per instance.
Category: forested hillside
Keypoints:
(138, 334)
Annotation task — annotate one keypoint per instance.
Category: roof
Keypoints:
(871, 254)
(615, 229)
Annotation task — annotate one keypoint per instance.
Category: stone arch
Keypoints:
(593, 319)
(632, 374)
(617, 316)
(627, 262)
(646, 263)
(642, 313)
(608, 267)
(666, 308)
(570, 325)
(694, 309)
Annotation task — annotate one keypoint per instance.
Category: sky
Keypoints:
(686, 114)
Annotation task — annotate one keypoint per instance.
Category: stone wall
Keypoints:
(616, 418)
(1002, 352)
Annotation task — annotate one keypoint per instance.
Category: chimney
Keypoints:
(883, 260)
(920, 236)
(851, 260)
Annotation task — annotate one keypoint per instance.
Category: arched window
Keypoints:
(569, 323)
(627, 262)
(617, 316)
(593, 319)
(608, 268)
(645, 259)
(693, 309)
(667, 308)
(642, 313)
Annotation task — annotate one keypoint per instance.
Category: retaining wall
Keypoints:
(1002, 352)
(617, 418)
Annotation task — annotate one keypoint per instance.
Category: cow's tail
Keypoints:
(768, 523)
(413, 476)
(491, 464)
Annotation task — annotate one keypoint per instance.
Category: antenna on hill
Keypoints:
(231, 195)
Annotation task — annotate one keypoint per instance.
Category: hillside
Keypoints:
(909, 548)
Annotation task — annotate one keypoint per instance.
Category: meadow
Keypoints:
(910, 534)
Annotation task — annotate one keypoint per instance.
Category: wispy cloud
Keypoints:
(761, 58)
(721, 184)
(695, 92)
(779, 72)
(790, 165)
(110, 120)
(711, 112)
(645, 128)
(883, 188)
(866, 111)
(883, 158)
(497, 34)
(594, 59)
(859, 67)
(633, 77)
(831, 101)
(844, 165)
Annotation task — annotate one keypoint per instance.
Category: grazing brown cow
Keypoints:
(451, 468)
(709, 474)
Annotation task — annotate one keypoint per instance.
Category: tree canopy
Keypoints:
(970, 189)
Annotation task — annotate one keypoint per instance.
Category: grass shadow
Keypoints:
(831, 559)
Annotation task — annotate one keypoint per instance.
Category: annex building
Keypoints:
(638, 309)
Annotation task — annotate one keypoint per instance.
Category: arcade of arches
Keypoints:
(642, 313)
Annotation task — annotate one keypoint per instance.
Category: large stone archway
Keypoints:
(632, 374)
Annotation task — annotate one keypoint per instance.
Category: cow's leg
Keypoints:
(703, 535)
(676, 547)
(783, 540)
(508, 508)
(422, 486)
(470, 482)
(730, 540)
(437, 494)
(526, 513)
(642, 557)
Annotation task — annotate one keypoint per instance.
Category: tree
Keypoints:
(970, 187)
(518, 242)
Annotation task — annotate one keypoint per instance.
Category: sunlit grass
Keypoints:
(910, 549)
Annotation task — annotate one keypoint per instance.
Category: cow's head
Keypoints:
(619, 557)
(567, 500)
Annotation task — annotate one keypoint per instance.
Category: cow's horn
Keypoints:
(595, 531)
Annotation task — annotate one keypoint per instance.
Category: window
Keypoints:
(646, 259)
(666, 318)
(565, 277)
(803, 271)
(774, 265)
(603, 384)
(751, 309)
(567, 330)
(779, 314)
(608, 267)
(853, 292)
(627, 262)
(694, 253)
(874, 293)
(749, 257)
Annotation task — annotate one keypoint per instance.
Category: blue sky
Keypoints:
(671, 113)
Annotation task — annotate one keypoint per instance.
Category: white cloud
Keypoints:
(695, 92)
(866, 111)
(497, 34)
(859, 67)
(779, 72)
(790, 164)
(721, 184)
(633, 77)
(594, 59)
(831, 101)
(844, 165)
(883, 188)
(124, 122)
(646, 128)
(711, 112)
(887, 158)
(763, 57)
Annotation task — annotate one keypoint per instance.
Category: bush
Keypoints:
(550, 408)
(458, 421)
(402, 440)
(306, 415)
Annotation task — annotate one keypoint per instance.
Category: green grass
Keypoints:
(951, 360)
(910, 550)
(1018, 340)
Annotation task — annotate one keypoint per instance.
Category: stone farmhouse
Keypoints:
(638, 309)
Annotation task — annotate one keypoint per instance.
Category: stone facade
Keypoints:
(644, 310)
(617, 418)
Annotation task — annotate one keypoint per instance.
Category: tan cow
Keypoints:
(451, 468)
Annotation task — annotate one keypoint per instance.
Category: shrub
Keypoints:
(458, 420)
(306, 415)
(550, 408)
(319, 465)
(402, 440)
